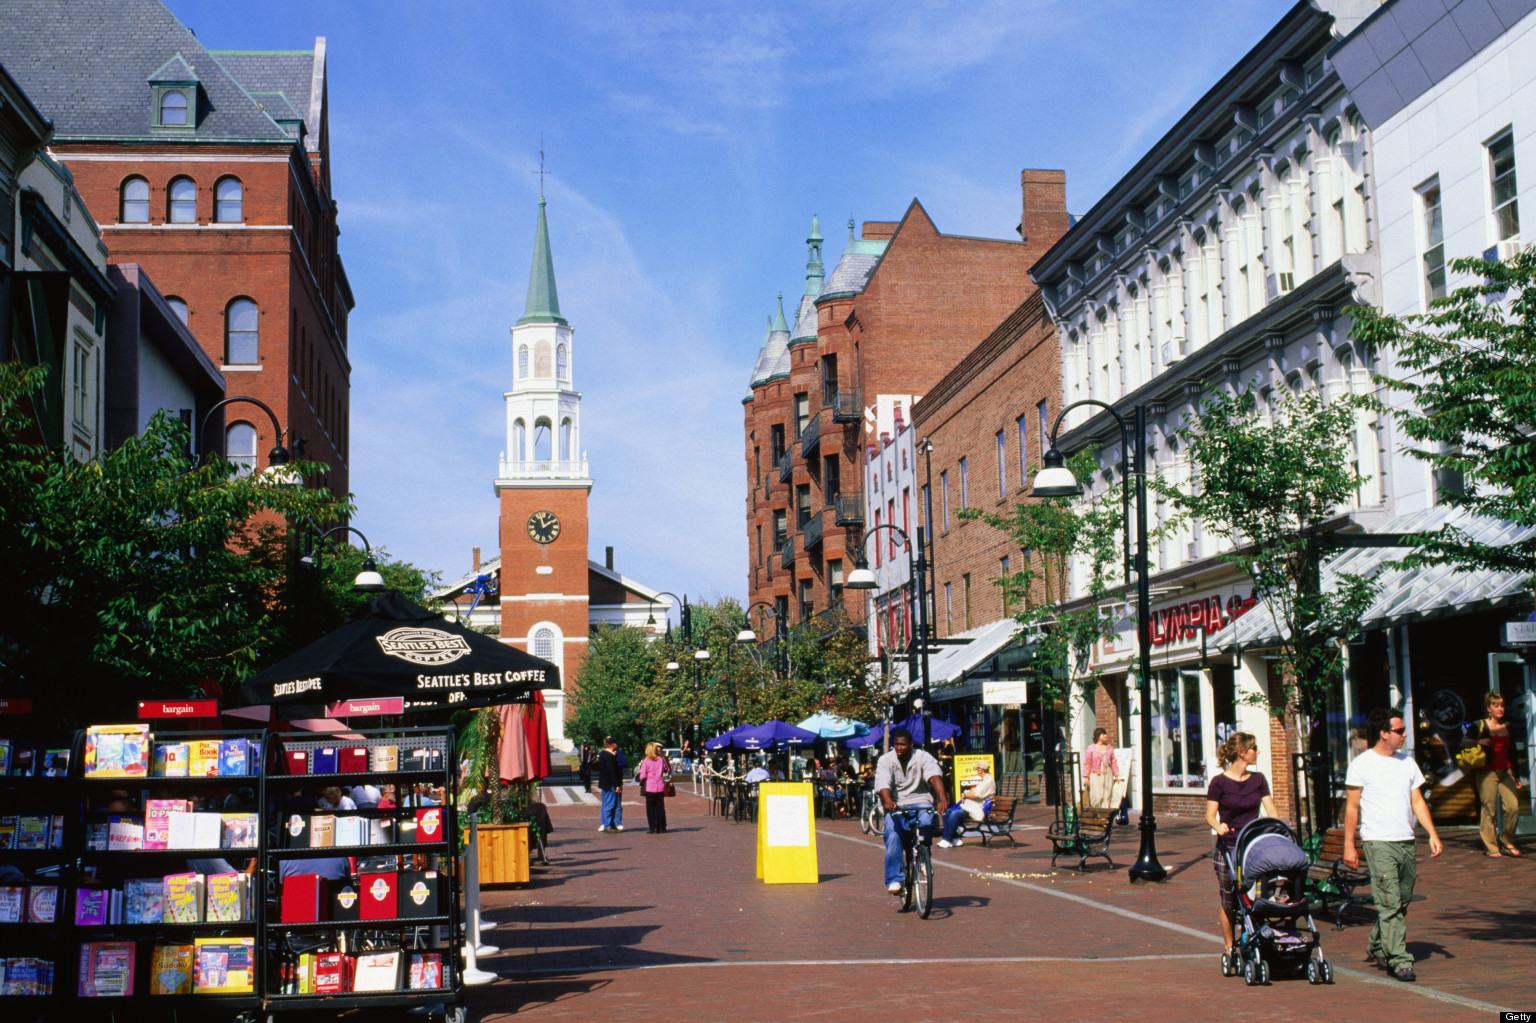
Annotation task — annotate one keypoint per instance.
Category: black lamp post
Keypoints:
(861, 578)
(1055, 480)
(746, 635)
(279, 455)
(368, 580)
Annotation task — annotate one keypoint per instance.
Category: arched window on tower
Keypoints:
(543, 645)
(228, 201)
(135, 202)
(181, 197)
(241, 333)
(541, 439)
(562, 363)
(240, 446)
(522, 363)
(519, 441)
(565, 440)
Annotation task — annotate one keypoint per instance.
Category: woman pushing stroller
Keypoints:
(1235, 796)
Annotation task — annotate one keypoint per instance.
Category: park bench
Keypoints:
(1328, 877)
(998, 823)
(1088, 835)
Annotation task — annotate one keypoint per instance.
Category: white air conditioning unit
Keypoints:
(1510, 248)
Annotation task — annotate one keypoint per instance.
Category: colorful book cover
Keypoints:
(232, 757)
(429, 824)
(157, 823)
(240, 830)
(377, 971)
(204, 758)
(386, 758)
(125, 832)
(226, 898)
(56, 832)
(7, 832)
(13, 903)
(43, 903)
(106, 969)
(223, 965)
(32, 832)
(426, 971)
(55, 763)
(91, 906)
(184, 898)
(170, 970)
(170, 760)
(116, 751)
(96, 836)
(5, 757)
(24, 762)
(322, 831)
(143, 900)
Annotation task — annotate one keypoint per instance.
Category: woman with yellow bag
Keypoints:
(1490, 756)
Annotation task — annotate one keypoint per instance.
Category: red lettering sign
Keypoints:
(178, 709)
(1185, 621)
(382, 705)
(16, 705)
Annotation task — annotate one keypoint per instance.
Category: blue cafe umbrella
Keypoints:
(771, 735)
(830, 726)
(723, 740)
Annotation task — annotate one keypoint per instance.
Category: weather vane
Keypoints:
(541, 165)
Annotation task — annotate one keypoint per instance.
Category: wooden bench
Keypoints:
(998, 823)
(1328, 877)
(1089, 835)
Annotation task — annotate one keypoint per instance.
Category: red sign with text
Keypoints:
(1185, 621)
(382, 705)
(178, 708)
(22, 705)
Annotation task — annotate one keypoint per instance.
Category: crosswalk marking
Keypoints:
(566, 795)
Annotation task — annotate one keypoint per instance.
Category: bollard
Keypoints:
(472, 973)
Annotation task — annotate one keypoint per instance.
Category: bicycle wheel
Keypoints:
(867, 817)
(922, 880)
(906, 882)
(877, 819)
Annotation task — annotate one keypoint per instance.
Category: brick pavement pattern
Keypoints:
(640, 927)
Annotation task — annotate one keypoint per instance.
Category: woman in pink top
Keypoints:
(1099, 768)
(653, 782)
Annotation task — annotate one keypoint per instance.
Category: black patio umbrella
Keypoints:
(393, 647)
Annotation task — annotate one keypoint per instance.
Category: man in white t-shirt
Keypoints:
(904, 778)
(1382, 799)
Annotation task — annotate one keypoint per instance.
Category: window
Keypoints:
(949, 609)
(1045, 427)
(228, 197)
(182, 199)
(802, 412)
(522, 363)
(1002, 465)
(179, 307)
(1007, 577)
(829, 380)
(543, 362)
(877, 546)
(135, 202)
(890, 516)
(1177, 760)
(1506, 208)
(241, 331)
(1023, 452)
(544, 644)
(776, 435)
(965, 582)
(542, 430)
(562, 363)
(780, 529)
(944, 494)
(806, 607)
(965, 486)
(802, 505)
(240, 446)
(81, 387)
(780, 608)
(835, 581)
(906, 510)
(1434, 242)
(173, 108)
(759, 545)
(831, 477)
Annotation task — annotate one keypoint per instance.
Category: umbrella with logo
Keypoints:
(396, 648)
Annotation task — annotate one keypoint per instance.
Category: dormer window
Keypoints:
(173, 93)
(173, 109)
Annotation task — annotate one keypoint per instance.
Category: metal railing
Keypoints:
(849, 509)
(812, 530)
(787, 554)
(845, 406)
(810, 436)
(786, 466)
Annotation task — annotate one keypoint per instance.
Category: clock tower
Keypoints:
(543, 487)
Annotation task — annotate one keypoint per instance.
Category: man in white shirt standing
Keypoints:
(1382, 799)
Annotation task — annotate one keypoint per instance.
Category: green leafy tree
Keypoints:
(1468, 369)
(610, 687)
(138, 574)
(324, 586)
(831, 670)
(1265, 482)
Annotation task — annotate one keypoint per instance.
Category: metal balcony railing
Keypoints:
(849, 509)
(786, 466)
(812, 530)
(787, 555)
(810, 436)
(845, 406)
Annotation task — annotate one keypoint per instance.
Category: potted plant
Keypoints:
(504, 823)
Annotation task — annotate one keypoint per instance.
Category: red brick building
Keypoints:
(211, 170)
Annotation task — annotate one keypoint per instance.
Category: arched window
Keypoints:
(179, 307)
(562, 363)
(519, 441)
(173, 108)
(240, 446)
(241, 333)
(135, 202)
(541, 440)
(543, 645)
(565, 440)
(522, 363)
(228, 196)
(182, 198)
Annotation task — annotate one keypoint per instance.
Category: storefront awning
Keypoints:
(1405, 594)
(949, 665)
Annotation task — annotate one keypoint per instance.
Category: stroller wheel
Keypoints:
(1228, 967)
(1327, 970)
(1250, 974)
(1314, 972)
(1263, 973)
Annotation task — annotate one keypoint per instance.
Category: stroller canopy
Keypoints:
(1267, 847)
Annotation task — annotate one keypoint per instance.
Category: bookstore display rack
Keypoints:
(388, 933)
(35, 850)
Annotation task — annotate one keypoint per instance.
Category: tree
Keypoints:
(328, 597)
(138, 574)
(610, 687)
(831, 670)
(1469, 374)
(1265, 482)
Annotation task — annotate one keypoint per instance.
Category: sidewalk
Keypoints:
(638, 926)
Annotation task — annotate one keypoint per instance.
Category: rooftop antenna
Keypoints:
(541, 165)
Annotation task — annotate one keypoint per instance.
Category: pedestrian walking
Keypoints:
(1496, 780)
(586, 759)
(1382, 799)
(610, 782)
(1100, 769)
(652, 775)
(1236, 796)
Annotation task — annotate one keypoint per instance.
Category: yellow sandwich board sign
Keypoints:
(786, 833)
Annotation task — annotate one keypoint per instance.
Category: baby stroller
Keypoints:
(1275, 929)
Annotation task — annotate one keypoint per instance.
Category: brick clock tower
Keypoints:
(543, 487)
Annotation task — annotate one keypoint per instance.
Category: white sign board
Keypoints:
(1519, 633)
(789, 820)
(1006, 691)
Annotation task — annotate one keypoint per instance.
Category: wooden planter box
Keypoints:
(503, 853)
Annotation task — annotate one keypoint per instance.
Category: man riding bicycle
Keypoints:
(902, 776)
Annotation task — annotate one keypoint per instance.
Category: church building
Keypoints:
(543, 594)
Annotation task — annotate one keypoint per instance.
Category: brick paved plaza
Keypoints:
(635, 926)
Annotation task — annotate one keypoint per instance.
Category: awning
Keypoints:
(948, 665)
(1405, 594)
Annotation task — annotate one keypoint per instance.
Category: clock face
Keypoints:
(543, 526)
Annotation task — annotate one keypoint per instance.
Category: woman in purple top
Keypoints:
(1235, 797)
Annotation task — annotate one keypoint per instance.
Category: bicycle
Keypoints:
(872, 814)
(917, 862)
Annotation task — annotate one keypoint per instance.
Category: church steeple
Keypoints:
(543, 303)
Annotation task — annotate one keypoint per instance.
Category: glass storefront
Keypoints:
(1177, 752)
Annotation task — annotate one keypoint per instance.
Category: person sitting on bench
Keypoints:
(972, 804)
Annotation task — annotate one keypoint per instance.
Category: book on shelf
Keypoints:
(377, 971)
(234, 758)
(106, 969)
(125, 833)
(426, 971)
(56, 832)
(23, 762)
(32, 832)
(333, 973)
(420, 893)
(117, 751)
(296, 761)
(228, 898)
(429, 824)
(203, 758)
(157, 823)
(184, 898)
(13, 903)
(304, 898)
(5, 757)
(379, 891)
(170, 969)
(295, 831)
(42, 903)
(323, 761)
(224, 965)
(96, 836)
(144, 900)
(345, 900)
(170, 759)
(55, 763)
(381, 831)
(8, 832)
(201, 829)
(351, 829)
(26, 976)
(240, 830)
(322, 831)
(92, 906)
(386, 758)
(352, 759)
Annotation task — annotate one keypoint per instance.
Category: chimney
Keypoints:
(1045, 207)
(609, 555)
(477, 559)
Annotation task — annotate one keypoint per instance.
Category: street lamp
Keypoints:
(278, 456)
(1055, 480)
(746, 635)
(861, 578)
(650, 613)
(368, 580)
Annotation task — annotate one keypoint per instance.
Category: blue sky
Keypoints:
(687, 147)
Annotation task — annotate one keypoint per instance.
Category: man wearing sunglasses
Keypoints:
(1382, 799)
